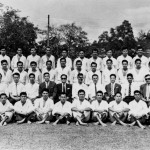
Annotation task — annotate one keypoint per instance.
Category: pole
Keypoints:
(48, 31)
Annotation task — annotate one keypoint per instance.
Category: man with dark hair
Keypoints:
(50, 85)
(62, 110)
(65, 88)
(138, 110)
(44, 107)
(24, 110)
(118, 110)
(100, 109)
(81, 109)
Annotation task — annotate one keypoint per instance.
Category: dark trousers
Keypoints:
(64, 119)
(128, 99)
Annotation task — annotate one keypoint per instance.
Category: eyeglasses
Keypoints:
(147, 79)
(63, 78)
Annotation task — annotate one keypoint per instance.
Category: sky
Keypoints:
(94, 16)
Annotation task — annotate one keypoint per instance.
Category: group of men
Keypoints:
(95, 89)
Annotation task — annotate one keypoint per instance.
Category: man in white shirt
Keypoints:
(36, 71)
(126, 57)
(93, 70)
(95, 59)
(118, 110)
(6, 110)
(80, 85)
(62, 110)
(83, 59)
(50, 70)
(64, 54)
(94, 87)
(81, 109)
(32, 88)
(76, 71)
(24, 110)
(23, 74)
(3, 86)
(3, 56)
(33, 57)
(144, 59)
(15, 88)
(138, 110)
(100, 109)
(63, 69)
(44, 107)
(18, 57)
(46, 57)
(109, 56)
(6, 73)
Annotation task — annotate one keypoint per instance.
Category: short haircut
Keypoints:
(23, 93)
(139, 47)
(112, 75)
(48, 62)
(94, 75)
(80, 91)
(124, 48)
(80, 74)
(109, 60)
(78, 61)
(124, 61)
(94, 49)
(19, 62)
(2, 94)
(118, 93)
(138, 60)
(63, 93)
(137, 91)
(46, 73)
(109, 50)
(16, 74)
(63, 75)
(2, 47)
(147, 75)
(32, 47)
(33, 62)
(99, 92)
(65, 50)
(4, 61)
(129, 75)
(81, 50)
(45, 90)
(48, 47)
(31, 74)
(63, 59)
(94, 63)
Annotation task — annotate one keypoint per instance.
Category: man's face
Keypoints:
(49, 65)
(109, 64)
(3, 51)
(63, 79)
(20, 66)
(47, 77)
(48, 51)
(137, 96)
(81, 96)
(23, 98)
(33, 51)
(79, 64)
(3, 99)
(80, 79)
(125, 52)
(99, 96)
(138, 64)
(19, 51)
(112, 79)
(125, 65)
(16, 78)
(95, 79)
(63, 63)
(45, 95)
(81, 54)
(63, 98)
(95, 54)
(140, 52)
(33, 66)
(130, 79)
(94, 67)
(147, 79)
(32, 79)
(118, 97)
(4, 65)
(109, 53)
(64, 54)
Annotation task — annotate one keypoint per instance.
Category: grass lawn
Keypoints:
(63, 137)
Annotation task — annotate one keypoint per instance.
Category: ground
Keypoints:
(63, 137)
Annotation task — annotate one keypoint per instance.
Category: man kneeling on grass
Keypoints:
(44, 107)
(62, 110)
(6, 110)
(138, 110)
(118, 110)
(100, 109)
(81, 109)
(24, 110)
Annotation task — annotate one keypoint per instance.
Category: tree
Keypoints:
(17, 31)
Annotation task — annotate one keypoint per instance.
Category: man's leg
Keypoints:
(20, 118)
(141, 121)
(112, 119)
(43, 117)
(31, 117)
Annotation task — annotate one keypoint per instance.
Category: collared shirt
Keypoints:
(103, 105)
(4, 88)
(45, 58)
(114, 62)
(35, 58)
(32, 90)
(23, 76)
(6, 76)
(137, 108)
(121, 58)
(62, 108)
(68, 62)
(5, 58)
(27, 107)
(5, 107)
(85, 65)
(118, 106)
(44, 106)
(15, 60)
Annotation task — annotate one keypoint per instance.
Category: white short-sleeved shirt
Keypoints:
(62, 108)
(4, 88)
(103, 105)
(113, 60)
(4, 108)
(118, 107)
(68, 62)
(45, 58)
(5, 58)
(6, 76)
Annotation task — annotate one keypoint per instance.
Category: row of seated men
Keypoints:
(82, 111)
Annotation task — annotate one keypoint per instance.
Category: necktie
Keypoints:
(64, 90)
(95, 89)
(16, 90)
(112, 89)
(46, 84)
(129, 89)
(147, 92)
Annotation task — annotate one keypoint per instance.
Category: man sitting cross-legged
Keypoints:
(81, 109)
(24, 110)
(138, 110)
(44, 107)
(100, 109)
(118, 110)
(62, 110)
(6, 110)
